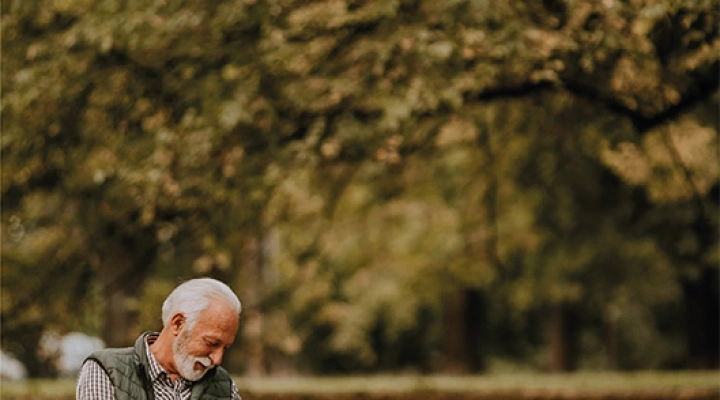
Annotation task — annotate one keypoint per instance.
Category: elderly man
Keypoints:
(200, 320)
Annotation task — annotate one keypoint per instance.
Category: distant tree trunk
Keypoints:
(463, 322)
(456, 360)
(124, 265)
(702, 295)
(702, 315)
(252, 317)
(611, 338)
(119, 289)
(562, 339)
(476, 317)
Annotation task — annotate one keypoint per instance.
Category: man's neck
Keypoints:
(162, 351)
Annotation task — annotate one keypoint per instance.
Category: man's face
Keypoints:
(198, 350)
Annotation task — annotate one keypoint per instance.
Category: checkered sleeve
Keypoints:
(93, 383)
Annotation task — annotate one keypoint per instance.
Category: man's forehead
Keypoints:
(219, 319)
(218, 308)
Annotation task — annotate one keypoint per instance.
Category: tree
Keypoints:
(156, 141)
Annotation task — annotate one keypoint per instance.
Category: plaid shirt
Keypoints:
(94, 384)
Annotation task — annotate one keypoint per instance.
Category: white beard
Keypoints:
(185, 363)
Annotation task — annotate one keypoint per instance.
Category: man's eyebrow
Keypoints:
(216, 340)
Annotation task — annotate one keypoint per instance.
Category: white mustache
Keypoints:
(206, 362)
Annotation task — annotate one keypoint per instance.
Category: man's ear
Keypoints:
(177, 322)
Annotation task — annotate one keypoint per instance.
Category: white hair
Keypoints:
(192, 297)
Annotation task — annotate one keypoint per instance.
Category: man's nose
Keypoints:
(216, 356)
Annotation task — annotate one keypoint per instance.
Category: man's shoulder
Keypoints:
(113, 352)
(110, 357)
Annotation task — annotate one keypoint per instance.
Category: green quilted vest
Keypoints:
(128, 371)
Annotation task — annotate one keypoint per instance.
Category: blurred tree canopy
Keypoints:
(448, 186)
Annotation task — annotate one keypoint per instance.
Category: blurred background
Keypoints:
(455, 187)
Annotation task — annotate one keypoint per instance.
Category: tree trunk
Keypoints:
(476, 317)
(120, 318)
(562, 339)
(463, 321)
(123, 270)
(253, 325)
(702, 315)
(611, 337)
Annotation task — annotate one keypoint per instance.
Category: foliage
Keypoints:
(350, 166)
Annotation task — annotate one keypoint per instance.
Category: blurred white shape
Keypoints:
(74, 348)
(11, 368)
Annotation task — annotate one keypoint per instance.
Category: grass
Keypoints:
(601, 381)
(583, 382)
(42, 388)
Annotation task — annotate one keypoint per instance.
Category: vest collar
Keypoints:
(144, 370)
